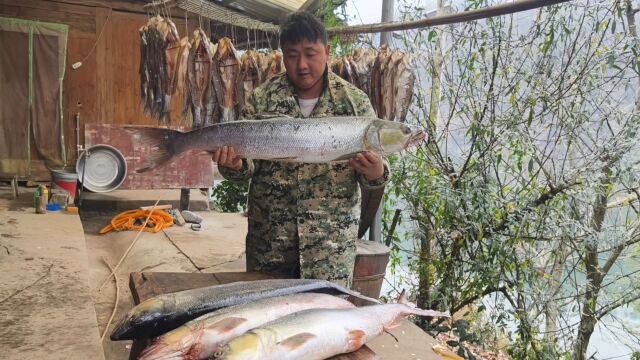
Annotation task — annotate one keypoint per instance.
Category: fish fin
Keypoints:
(402, 298)
(355, 340)
(227, 325)
(268, 115)
(161, 141)
(394, 324)
(296, 341)
(346, 157)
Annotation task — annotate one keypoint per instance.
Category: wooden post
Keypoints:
(387, 16)
(375, 231)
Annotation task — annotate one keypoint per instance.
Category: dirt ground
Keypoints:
(219, 246)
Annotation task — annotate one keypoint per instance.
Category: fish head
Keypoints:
(133, 324)
(252, 345)
(389, 137)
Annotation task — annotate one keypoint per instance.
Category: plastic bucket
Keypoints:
(66, 180)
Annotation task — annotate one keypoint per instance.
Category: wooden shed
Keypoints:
(103, 37)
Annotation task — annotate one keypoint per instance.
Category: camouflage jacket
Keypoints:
(303, 218)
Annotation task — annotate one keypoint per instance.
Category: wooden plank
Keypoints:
(104, 93)
(53, 6)
(76, 22)
(80, 89)
(120, 5)
(110, 4)
(229, 277)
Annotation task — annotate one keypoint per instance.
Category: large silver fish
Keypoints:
(318, 334)
(287, 139)
(162, 313)
(200, 338)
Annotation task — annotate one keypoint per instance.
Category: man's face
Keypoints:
(305, 63)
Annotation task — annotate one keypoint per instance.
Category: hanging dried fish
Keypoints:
(386, 77)
(248, 79)
(156, 65)
(389, 78)
(263, 63)
(145, 91)
(275, 65)
(226, 66)
(199, 73)
(183, 63)
(172, 51)
(159, 51)
(405, 81)
(376, 91)
(212, 106)
(362, 62)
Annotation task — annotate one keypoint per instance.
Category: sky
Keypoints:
(369, 11)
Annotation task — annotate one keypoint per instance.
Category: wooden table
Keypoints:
(148, 284)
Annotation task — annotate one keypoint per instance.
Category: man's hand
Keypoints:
(226, 156)
(368, 164)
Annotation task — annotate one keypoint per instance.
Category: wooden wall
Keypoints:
(106, 88)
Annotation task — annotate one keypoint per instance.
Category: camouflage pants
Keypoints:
(316, 256)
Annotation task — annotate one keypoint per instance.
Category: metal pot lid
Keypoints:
(101, 168)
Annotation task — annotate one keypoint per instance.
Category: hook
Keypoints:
(200, 13)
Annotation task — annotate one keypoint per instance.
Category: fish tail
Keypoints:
(412, 309)
(429, 313)
(162, 143)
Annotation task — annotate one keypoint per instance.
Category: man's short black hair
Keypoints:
(300, 26)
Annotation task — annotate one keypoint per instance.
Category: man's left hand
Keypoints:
(369, 164)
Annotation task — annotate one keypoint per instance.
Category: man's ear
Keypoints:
(327, 51)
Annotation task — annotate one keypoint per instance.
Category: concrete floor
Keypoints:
(53, 304)
(219, 246)
(46, 307)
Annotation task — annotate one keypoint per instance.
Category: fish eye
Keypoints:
(407, 130)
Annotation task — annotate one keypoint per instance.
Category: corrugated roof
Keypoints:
(269, 11)
(266, 10)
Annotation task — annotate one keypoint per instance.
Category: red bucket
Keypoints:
(65, 180)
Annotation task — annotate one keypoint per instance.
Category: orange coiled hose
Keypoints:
(134, 220)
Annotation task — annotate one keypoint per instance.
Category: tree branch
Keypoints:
(616, 304)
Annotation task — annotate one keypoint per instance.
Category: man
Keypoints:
(303, 218)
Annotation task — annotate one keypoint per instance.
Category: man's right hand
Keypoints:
(226, 156)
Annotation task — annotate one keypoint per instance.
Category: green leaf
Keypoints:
(432, 34)
(530, 165)
(453, 343)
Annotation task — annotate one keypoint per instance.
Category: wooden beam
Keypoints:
(310, 5)
(121, 5)
(489, 11)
